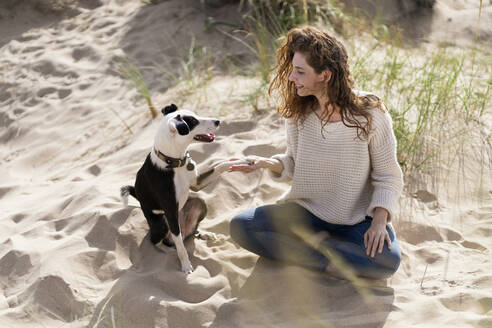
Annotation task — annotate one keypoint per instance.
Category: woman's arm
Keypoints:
(387, 180)
(386, 174)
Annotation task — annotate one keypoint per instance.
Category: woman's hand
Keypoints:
(376, 234)
(257, 162)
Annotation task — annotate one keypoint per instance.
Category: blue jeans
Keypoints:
(272, 231)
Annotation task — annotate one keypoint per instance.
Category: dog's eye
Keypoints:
(191, 121)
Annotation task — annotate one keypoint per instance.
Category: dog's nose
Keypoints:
(217, 123)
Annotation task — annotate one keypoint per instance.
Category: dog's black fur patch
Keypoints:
(155, 189)
(181, 126)
(191, 121)
(169, 109)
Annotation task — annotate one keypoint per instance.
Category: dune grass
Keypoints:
(192, 68)
(191, 71)
(129, 71)
(437, 98)
(437, 101)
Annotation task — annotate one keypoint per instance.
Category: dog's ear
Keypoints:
(177, 125)
(169, 109)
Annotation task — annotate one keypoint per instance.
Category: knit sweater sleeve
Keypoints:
(386, 174)
(288, 158)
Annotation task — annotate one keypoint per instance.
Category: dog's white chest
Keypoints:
(182, 180)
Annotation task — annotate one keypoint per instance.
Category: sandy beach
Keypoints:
(73, 131)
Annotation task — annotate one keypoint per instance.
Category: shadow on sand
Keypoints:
(277, 295)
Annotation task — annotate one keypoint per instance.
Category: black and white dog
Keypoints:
(164, 181)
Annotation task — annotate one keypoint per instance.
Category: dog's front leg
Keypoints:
(186, 266)
(177, 238)
(207, 176)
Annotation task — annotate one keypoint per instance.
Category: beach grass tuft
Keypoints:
(126, 69)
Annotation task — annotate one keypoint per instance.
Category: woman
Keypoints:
(341, 158)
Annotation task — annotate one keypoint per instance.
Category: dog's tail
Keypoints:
(125, 191)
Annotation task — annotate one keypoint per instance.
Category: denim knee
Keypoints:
(388, 263)
(237, 228)
(394, 261)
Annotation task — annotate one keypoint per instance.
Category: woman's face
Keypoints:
(307, 81)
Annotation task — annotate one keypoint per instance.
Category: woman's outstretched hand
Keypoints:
(253, 163)
(377, 234)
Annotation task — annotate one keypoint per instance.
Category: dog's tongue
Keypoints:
(205, 137)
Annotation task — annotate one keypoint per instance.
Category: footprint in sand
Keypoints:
(473, 245)
(425, 196)
(64, 93)
(264, 150)
(102, 264)
(85, 53)
(482, 213)
(5, 93)
(417, 233)
(467, 302)
(46, 91)
(203, 152)
(15, 264)
(94, 170)
(54, 295)
(106, 233)
(235, 127)
(47, 68)
(18, 217)
(6, 190)
(103, 235)
(5, 119)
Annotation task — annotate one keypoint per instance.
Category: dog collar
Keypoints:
(175, 162)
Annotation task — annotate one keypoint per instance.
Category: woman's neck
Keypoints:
(323, 111)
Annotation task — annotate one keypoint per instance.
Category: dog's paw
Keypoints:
(206, 235)
(187, 268)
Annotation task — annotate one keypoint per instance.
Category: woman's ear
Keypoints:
(327, 76)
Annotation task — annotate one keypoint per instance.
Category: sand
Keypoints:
(72, 255)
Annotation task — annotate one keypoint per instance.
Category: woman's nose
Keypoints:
(291, 77)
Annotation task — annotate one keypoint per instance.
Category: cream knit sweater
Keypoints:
(340, 178)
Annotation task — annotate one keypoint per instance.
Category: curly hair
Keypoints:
(323, 52)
